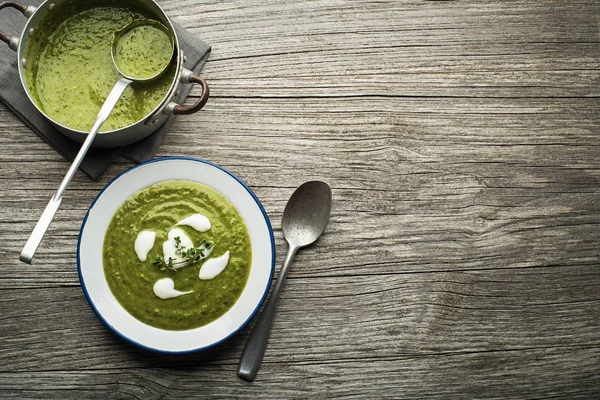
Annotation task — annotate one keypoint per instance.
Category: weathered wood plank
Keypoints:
(529, 373)
(333, 319)
(426, 198)
(392, 49)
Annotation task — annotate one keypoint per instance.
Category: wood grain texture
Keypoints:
(462, 258)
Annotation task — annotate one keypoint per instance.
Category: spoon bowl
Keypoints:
(306, 213)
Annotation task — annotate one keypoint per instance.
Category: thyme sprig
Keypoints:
(162, 265)
(191, 255)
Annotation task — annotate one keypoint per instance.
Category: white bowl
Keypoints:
(106, 204)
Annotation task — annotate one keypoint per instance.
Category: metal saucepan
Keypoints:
(141, 128)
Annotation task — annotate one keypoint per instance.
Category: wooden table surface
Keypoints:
(462, 257)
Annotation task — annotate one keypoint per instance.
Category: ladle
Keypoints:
(109, 104)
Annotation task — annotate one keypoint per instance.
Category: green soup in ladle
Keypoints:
(143, 50)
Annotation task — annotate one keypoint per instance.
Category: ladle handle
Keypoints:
(44, 222)
(185, 110)
(13, 41)
(256, 345)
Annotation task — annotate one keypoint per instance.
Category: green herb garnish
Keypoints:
(164, 265)
(193, 254)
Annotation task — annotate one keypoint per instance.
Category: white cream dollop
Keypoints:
(165, 289)
(214, 266)
(197, 221)
(169, 249)
(144, 243)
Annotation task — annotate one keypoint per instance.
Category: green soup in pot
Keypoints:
(70, 72)
(158, 209)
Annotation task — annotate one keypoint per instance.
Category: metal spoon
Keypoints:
(304, 220)
(109, 104)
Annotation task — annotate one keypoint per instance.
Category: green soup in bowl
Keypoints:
(158, 212)
(198, 298)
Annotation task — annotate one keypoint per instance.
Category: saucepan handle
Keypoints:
(13, 41)
(184, 110)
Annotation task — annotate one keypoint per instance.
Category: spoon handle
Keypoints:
(44, 222)
(256, 345)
